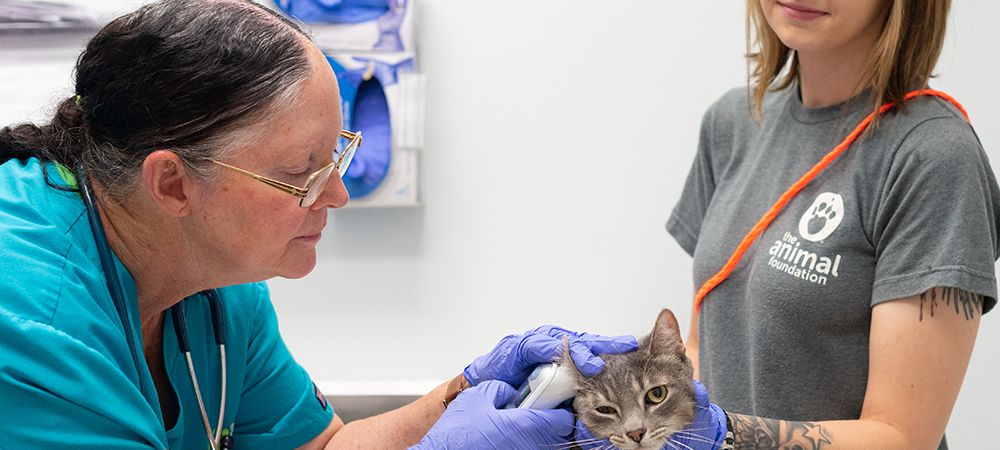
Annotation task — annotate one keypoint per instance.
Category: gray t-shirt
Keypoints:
(913, 206)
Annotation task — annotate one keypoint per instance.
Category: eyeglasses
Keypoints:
(316, 182)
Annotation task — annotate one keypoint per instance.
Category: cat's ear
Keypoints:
(666, 334)
(566, 360)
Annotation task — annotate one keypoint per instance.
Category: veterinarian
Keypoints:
(847, 318)
(200, 154)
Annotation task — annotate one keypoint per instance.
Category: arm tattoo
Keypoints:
(963, 302)
(758, 433)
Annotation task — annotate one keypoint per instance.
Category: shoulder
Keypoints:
(38, 232)
(736, 106)
(26, 186)
(720, 122)
(50, 273)
(732, 105)
(934, 134)
(29, 202)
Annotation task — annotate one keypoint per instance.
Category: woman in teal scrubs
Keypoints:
(204, 130)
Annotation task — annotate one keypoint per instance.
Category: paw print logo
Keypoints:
(822, 218)
(821, 215)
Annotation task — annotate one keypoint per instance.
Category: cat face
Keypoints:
(642, 398)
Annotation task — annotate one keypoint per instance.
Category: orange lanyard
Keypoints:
(776, 208)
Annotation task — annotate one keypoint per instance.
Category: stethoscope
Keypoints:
(216, 440)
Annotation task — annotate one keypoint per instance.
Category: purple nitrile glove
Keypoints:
(474, 420)
(515, 356)
(706, 432)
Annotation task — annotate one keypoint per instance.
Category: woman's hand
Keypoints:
(474, 420)
(515, 356)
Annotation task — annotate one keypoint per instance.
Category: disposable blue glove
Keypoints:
(706, 432)
(515, 356)
(474, 420)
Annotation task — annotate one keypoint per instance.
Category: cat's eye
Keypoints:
(606, 410)
(656, 395)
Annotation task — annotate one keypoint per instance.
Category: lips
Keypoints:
(315, 234)
(800, 12)
(312, 234)
(314, 238)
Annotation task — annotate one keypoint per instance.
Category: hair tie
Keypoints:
(78, 100)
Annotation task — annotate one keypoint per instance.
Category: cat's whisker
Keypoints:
(571, 444)
(681, 444)
(689, 439)
(698, 429)
(586, 441)
(564, 445)
(602, 441)
(660, 433)
(615, 441)
(579, 428)
(694, 437)
(589, 440)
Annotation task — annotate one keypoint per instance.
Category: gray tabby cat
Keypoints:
(640, 399)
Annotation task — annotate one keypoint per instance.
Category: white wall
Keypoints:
(559, 135)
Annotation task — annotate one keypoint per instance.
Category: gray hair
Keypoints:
(190, 76)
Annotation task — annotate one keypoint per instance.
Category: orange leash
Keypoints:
(761, 225)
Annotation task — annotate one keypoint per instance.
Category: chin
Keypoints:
(299, 266)
(801, 40)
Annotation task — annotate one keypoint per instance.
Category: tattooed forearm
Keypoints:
(947, 298)
(757, 433)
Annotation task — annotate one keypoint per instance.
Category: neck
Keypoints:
(149, 245)
(833, 76)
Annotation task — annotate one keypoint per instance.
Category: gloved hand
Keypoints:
(474, 420)
(515, 356)
(706, 432)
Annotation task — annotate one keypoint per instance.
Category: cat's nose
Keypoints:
(636, 435)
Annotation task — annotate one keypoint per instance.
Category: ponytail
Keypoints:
(59, 141)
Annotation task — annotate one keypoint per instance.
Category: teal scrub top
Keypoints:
(67, 377)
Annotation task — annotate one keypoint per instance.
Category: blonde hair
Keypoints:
(903, 57)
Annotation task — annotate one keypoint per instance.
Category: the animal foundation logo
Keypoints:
(819, 221)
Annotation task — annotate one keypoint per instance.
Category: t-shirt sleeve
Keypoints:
(689, 212)
(280, 406)
(936, 221)
(57, 392)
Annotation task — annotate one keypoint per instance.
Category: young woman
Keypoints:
(849, 322)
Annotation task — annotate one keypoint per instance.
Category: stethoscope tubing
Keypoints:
(108, 266)
(218, 324)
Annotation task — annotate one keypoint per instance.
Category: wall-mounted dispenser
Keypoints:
(370, 46)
